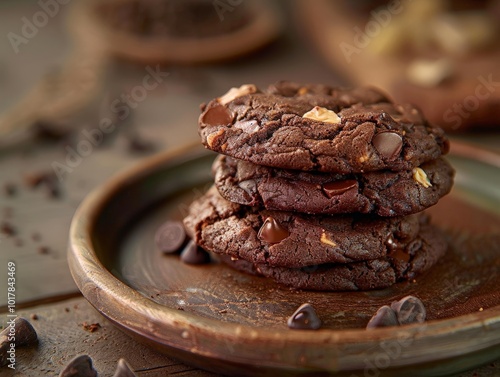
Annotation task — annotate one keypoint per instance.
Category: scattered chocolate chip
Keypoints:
(409, 310)
(192, 254)
(8, 229)
(22, 331)
(47, 179)
(384, 317)
(9, 189)
(50, 131)
(217, 115)
(272, 232)
(80, 366)
(43, 250)
(137, 144)
(66, 310)
(123, 369)
(338, 188)
(34, 317)
(93, 327)
(304, 318)
(33, 180)
(170, 237)
(388, 144)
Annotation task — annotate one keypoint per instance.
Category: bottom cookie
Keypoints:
(373, 274)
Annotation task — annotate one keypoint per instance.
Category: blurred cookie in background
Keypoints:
(442, 56)
(176, 31)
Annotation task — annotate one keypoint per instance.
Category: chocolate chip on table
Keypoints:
(80, 366)
(51, 131)
(304, 318)
(384, 317)
(8, 229)
(43, 250)
(409, 309)
(388, 144)
(170, 237)
(9, 189)
(24, 333)
(137, 144)
(123, 369)
(272, 232)
(192, 254)
(47, 179)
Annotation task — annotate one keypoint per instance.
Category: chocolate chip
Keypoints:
(304, 318)
(51, 131)
(170, 237)
(400, 255)
(332, 189)
(123, 369)
(272, 232)
(248, 126)
(249, 186)
(43, 250)
(22, 331)
(409, 310)
(9, 189)
(8, 229)
(192, 254)
(47, 179)
(217, 116)
(138, 144)
(388, 144)
(80, 366)
(384, 317)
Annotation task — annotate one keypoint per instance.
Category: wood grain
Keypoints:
(62, 336)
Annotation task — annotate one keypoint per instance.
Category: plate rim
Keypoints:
(190, 332)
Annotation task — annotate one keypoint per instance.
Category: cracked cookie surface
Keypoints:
(321, 128)
(385, 193)
(373, 274)
(293, 240)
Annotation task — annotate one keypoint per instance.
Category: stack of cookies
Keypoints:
(321, 188)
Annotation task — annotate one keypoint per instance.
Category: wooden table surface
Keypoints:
(168, 118)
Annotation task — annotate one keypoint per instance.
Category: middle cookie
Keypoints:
(385, 193)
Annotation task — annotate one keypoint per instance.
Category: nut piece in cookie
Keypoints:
(234, 93)
(322, 114)
(420, 177)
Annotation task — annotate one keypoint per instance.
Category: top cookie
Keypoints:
(321, 128)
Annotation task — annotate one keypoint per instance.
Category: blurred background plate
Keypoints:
(221, 320)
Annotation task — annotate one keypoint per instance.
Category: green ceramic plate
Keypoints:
(228, 322)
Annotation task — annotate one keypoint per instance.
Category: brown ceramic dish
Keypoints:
(263, 27)
(219, 319)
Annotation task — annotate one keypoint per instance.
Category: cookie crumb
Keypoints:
(93, 327)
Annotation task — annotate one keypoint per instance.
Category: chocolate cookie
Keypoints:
(385, 193)
(319, 128)
(373, 274)
(293, 240)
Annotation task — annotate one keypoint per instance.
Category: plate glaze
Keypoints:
(219, 319)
